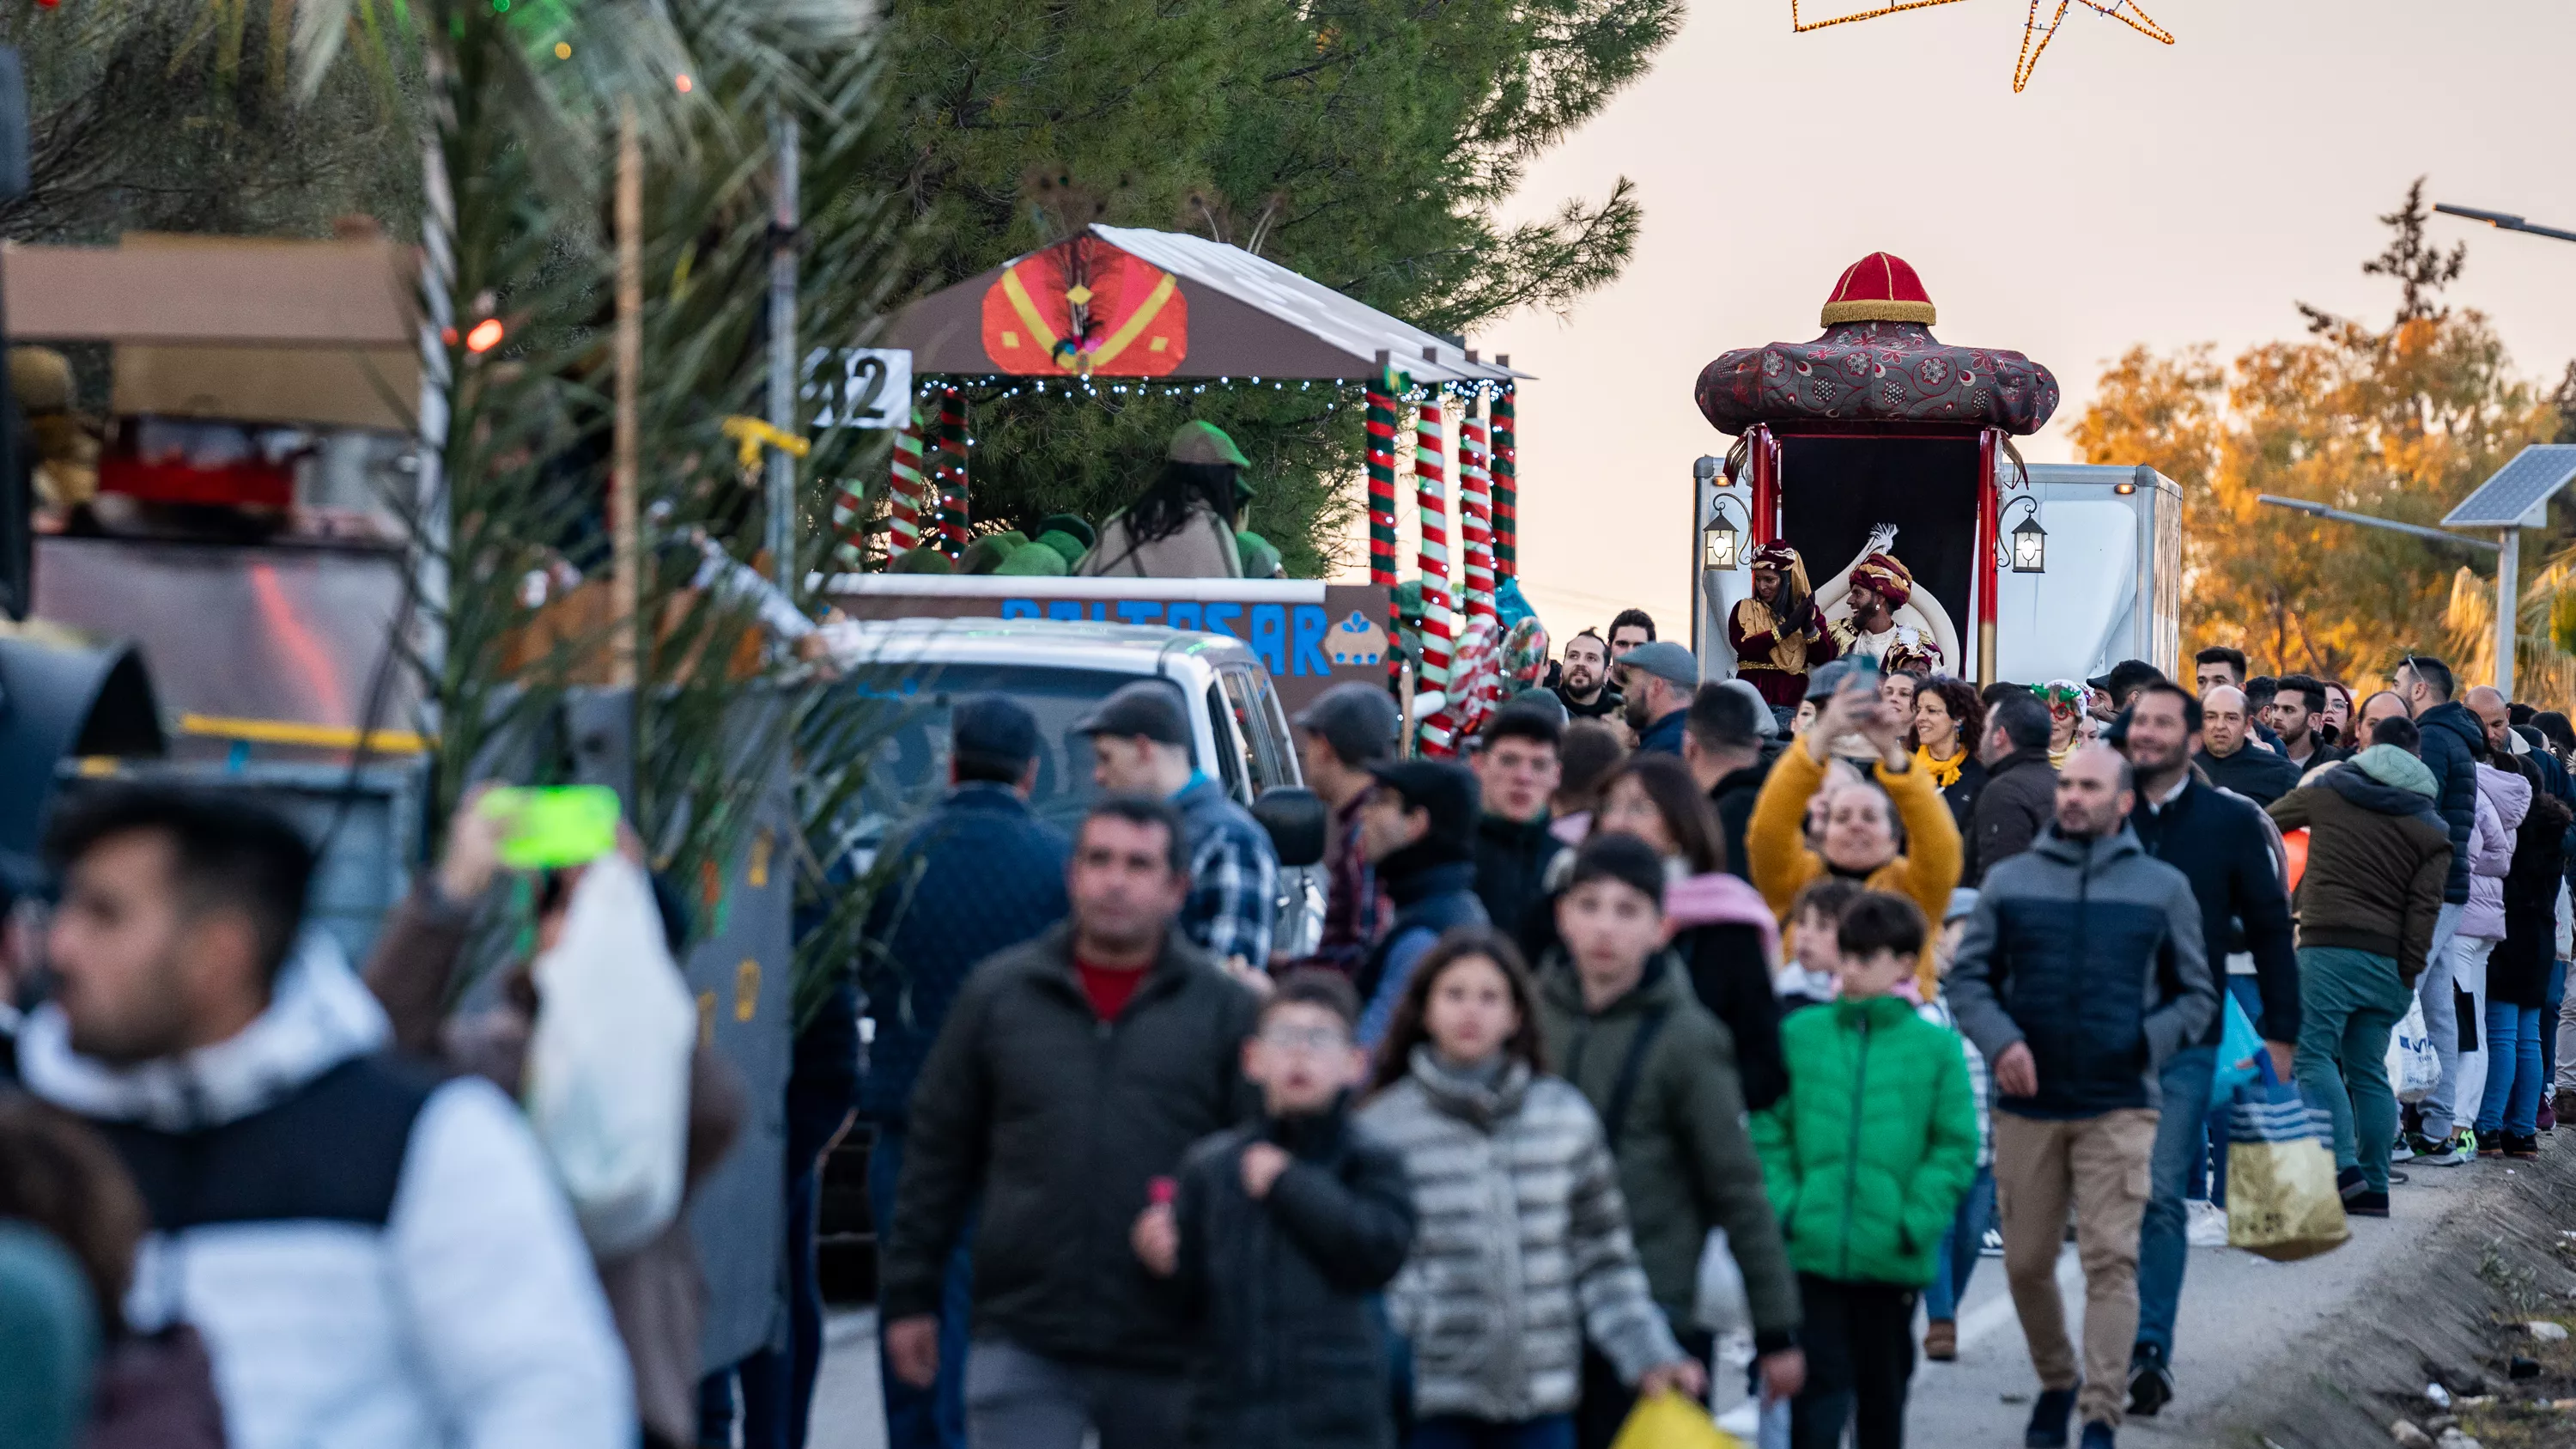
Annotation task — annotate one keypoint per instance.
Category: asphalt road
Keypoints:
(2242, 1317)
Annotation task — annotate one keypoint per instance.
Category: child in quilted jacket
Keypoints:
(1867, 1158)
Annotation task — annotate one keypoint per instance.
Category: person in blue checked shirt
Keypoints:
(1140, 744)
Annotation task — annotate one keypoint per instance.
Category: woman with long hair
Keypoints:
(1949, 720)
(1509, 1165)
(1183, 527)
(1723, 931)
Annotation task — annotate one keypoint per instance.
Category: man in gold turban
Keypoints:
(1880, 586)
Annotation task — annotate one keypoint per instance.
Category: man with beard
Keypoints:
(1657, 681)
(1583, 685)
(2222, 846)
(1779, 634)
(2298, 710)
(1879, 587)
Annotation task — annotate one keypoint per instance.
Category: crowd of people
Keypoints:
(1681, 1037)
(1672, 983)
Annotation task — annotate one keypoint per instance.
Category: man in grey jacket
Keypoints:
(2082, 970)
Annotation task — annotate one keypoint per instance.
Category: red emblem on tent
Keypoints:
(1084, 308)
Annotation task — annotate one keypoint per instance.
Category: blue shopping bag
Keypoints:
(2236, 1051)
(2283, 1202)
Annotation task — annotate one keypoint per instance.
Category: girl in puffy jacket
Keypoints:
(2504, 797)
(1521, 1250)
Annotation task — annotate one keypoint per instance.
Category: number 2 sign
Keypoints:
(859, 387)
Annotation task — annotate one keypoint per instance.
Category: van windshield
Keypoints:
(900, 718)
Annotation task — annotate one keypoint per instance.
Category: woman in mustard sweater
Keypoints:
(1861, 838)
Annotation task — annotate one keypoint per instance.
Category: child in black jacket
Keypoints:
(1281, 1233)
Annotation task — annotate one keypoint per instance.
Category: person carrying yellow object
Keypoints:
(1861, 839)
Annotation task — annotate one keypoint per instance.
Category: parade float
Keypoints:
(1114, 311)
(1886, 456)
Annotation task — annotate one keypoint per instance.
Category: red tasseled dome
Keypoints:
(1879, 287)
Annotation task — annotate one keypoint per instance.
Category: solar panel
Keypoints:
(2530, 480)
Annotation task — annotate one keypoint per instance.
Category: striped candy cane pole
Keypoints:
(1439, 631)
(953, 497)
(1507, 485)
(1476, 515)
(1381, 499)
(905, 491)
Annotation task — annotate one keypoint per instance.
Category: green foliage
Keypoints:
(174, 115)
(1365, 143)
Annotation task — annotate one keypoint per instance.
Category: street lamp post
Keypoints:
(2503, 221)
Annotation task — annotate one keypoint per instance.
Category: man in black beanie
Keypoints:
(1419, 830)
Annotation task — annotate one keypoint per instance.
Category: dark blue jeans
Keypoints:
(932, 1418)
(2512, 1102)
(2549, 1010)
(1453, 1431)
(2182, 1135)
(1960, 1248)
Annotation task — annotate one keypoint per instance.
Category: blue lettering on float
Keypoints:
(1270, 636)
(1065, 609)
(1307, 657)
(1182, 615)
(1020, 609)
(1218, 614)
(1140, 611)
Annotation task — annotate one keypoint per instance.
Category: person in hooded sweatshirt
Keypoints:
(2378, 856)
(2518, 974)
(2504, 797)
(373, 1255)
(1418, 831)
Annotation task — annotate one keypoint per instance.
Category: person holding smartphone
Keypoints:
(1861, 839)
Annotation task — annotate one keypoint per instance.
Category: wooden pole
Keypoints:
(783, 221)
(625, 471)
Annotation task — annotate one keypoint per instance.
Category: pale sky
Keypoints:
(2135, 192)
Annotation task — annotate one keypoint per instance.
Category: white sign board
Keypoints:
(859, 387)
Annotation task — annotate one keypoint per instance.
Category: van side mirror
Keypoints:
(1296, 819)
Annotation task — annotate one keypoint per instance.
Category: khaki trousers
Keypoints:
(2101, 1165)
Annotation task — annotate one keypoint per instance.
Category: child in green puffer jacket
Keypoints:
(1867, 1157)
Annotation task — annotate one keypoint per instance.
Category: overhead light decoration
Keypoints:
(2035, 35)
(485, 336)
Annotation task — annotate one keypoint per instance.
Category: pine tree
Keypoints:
(1365, 143)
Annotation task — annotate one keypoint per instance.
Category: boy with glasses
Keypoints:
(1279, 1235)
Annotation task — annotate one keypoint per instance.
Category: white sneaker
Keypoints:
(2206, 1225)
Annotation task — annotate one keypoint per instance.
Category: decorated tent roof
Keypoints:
(1877, 362)
(1125, 302)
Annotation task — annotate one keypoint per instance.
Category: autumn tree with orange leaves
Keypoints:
(2399, 422)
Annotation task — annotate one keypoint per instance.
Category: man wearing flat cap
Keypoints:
(1656, 681)
(1140, 745)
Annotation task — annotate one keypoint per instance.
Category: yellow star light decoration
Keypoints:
(2034, 35)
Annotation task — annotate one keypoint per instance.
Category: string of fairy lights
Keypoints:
(995, 387)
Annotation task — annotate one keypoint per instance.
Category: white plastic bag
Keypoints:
(1722, 1307)
(2414, 1068)
(608, 1061)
